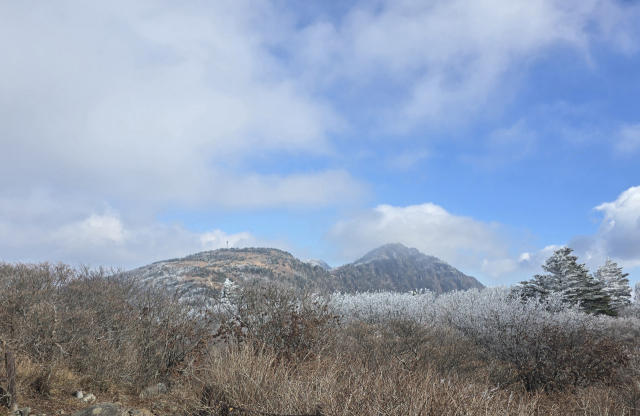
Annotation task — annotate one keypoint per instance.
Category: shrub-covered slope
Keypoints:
(208, 270)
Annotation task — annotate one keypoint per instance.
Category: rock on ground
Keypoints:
(103, 409)
(154, 391)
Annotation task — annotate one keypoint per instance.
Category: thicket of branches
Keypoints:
(278, 349)
(97, 323)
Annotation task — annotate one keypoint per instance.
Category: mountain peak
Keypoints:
(395, 267)
(395, 251)
(317, 262)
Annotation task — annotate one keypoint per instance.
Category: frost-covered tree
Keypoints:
(229, 288)
(616, 284)
(571, 280)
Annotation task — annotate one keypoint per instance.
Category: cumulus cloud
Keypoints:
(487, 250)
(95, 230)
(618, 236)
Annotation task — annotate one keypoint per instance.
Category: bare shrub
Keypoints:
(568, 357)
(262, 382)
(292, 323)
(98, 323)
(472, 353)
(414, 346)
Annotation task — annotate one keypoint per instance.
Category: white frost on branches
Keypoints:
(616, 284)
(571, 281)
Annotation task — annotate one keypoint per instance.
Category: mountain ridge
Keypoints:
(392, 267)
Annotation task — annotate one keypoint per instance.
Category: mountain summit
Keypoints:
(394, 267)
(391, 251)
(206, 271)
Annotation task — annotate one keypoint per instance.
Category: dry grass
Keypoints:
(347, 387)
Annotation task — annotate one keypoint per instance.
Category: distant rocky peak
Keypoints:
(389, 251)
(317, 262)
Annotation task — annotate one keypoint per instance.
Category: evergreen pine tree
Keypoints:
(540, 286)
(616, 284)
(572, 280)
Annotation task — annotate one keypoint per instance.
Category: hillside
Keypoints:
(206, 271)
(394, 267)
(318, 262)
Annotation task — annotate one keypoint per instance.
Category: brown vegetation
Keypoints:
(284, 351)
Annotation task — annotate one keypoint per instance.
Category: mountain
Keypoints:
(205, 272)
(317, 262)
(394, 267)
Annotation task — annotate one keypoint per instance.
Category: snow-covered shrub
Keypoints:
(495, 311)
(380, 307)
(549, 343)
(631, 310)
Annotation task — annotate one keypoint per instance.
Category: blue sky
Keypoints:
(484, 132)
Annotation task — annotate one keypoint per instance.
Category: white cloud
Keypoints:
(617, 238)
(95, 230)
(490, 251)
(619, 234)
(161, 103)
(147, 104)
(156, 103)
(39, 228)
(215, 239)
(296, 190)
(455, 58)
